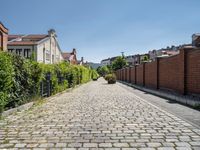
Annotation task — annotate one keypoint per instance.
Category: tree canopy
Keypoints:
(119, 63)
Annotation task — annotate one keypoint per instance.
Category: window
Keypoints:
(47, 55)
(18, 51)
(10, 50)
(43, 55)
(52, 58)
(27, 53)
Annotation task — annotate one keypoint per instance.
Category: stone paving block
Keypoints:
(153, 144)
(20, 145)
(97, 116)
(166, 148)
(105, 144)
(120, 144)
(90, 145)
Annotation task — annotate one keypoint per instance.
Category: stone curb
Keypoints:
(19, 108)
(27, 106)
(187, 100)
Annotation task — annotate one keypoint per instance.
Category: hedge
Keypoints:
(20, 78)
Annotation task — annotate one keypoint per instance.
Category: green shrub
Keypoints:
(111, 78)
(26, 81)
(20, 78)
(6, 78)
(94, 75)
(85, 74)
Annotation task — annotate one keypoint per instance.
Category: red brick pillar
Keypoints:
(143, 73)
(130, 74)
(157, 73)
(182, 73)
(135, 74)
(183, 53)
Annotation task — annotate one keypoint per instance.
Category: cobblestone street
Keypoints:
(97, 116)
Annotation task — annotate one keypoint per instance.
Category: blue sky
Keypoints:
(100, 29)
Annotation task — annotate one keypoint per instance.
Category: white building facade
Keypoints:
(43, 48)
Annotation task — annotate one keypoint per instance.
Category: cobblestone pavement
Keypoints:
(97, 116)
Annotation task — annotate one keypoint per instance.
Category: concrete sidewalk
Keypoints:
(185, 112)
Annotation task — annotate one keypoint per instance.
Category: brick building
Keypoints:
(3, 37)
(70, 57)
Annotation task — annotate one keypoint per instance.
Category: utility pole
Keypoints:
(122, 54)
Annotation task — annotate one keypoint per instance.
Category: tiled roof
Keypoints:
(36, 36)
(66, 55)
(3, 28)
(21, 39)
(11, 37)
(22, 43)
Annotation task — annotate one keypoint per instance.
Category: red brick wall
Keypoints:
(193, 71)
(127, 75)
(3, 37)
(124, 74)
(133, 75)
(139, 74)
(129, 72)
(5, 41)
(171, 73)
(151, 74)
(180, 73)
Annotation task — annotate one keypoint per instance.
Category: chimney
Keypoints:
(74, 51)
(82, 59)
(196, 40)
(52, 32)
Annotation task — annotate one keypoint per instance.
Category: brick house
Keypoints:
(70, 57)
(43, 47)
(3, 37)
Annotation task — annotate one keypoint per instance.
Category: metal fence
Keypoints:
(46, 86)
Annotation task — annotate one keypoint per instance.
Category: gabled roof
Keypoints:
(66, 55)
(21, 39)
(3, 28)
(22, 43)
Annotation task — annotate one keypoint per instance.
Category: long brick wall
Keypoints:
(179, 73)
(171, 73)
(193, 71)
(151, 74)
(132, 75)
(139, 75)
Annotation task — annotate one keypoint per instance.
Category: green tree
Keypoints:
(119, 63)
(103, 70)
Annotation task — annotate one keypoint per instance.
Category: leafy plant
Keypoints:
(6, 78)
(119, 63)
(111, 78)
(95, 75)
(20, 78)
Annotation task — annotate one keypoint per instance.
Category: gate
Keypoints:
(46, 86)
